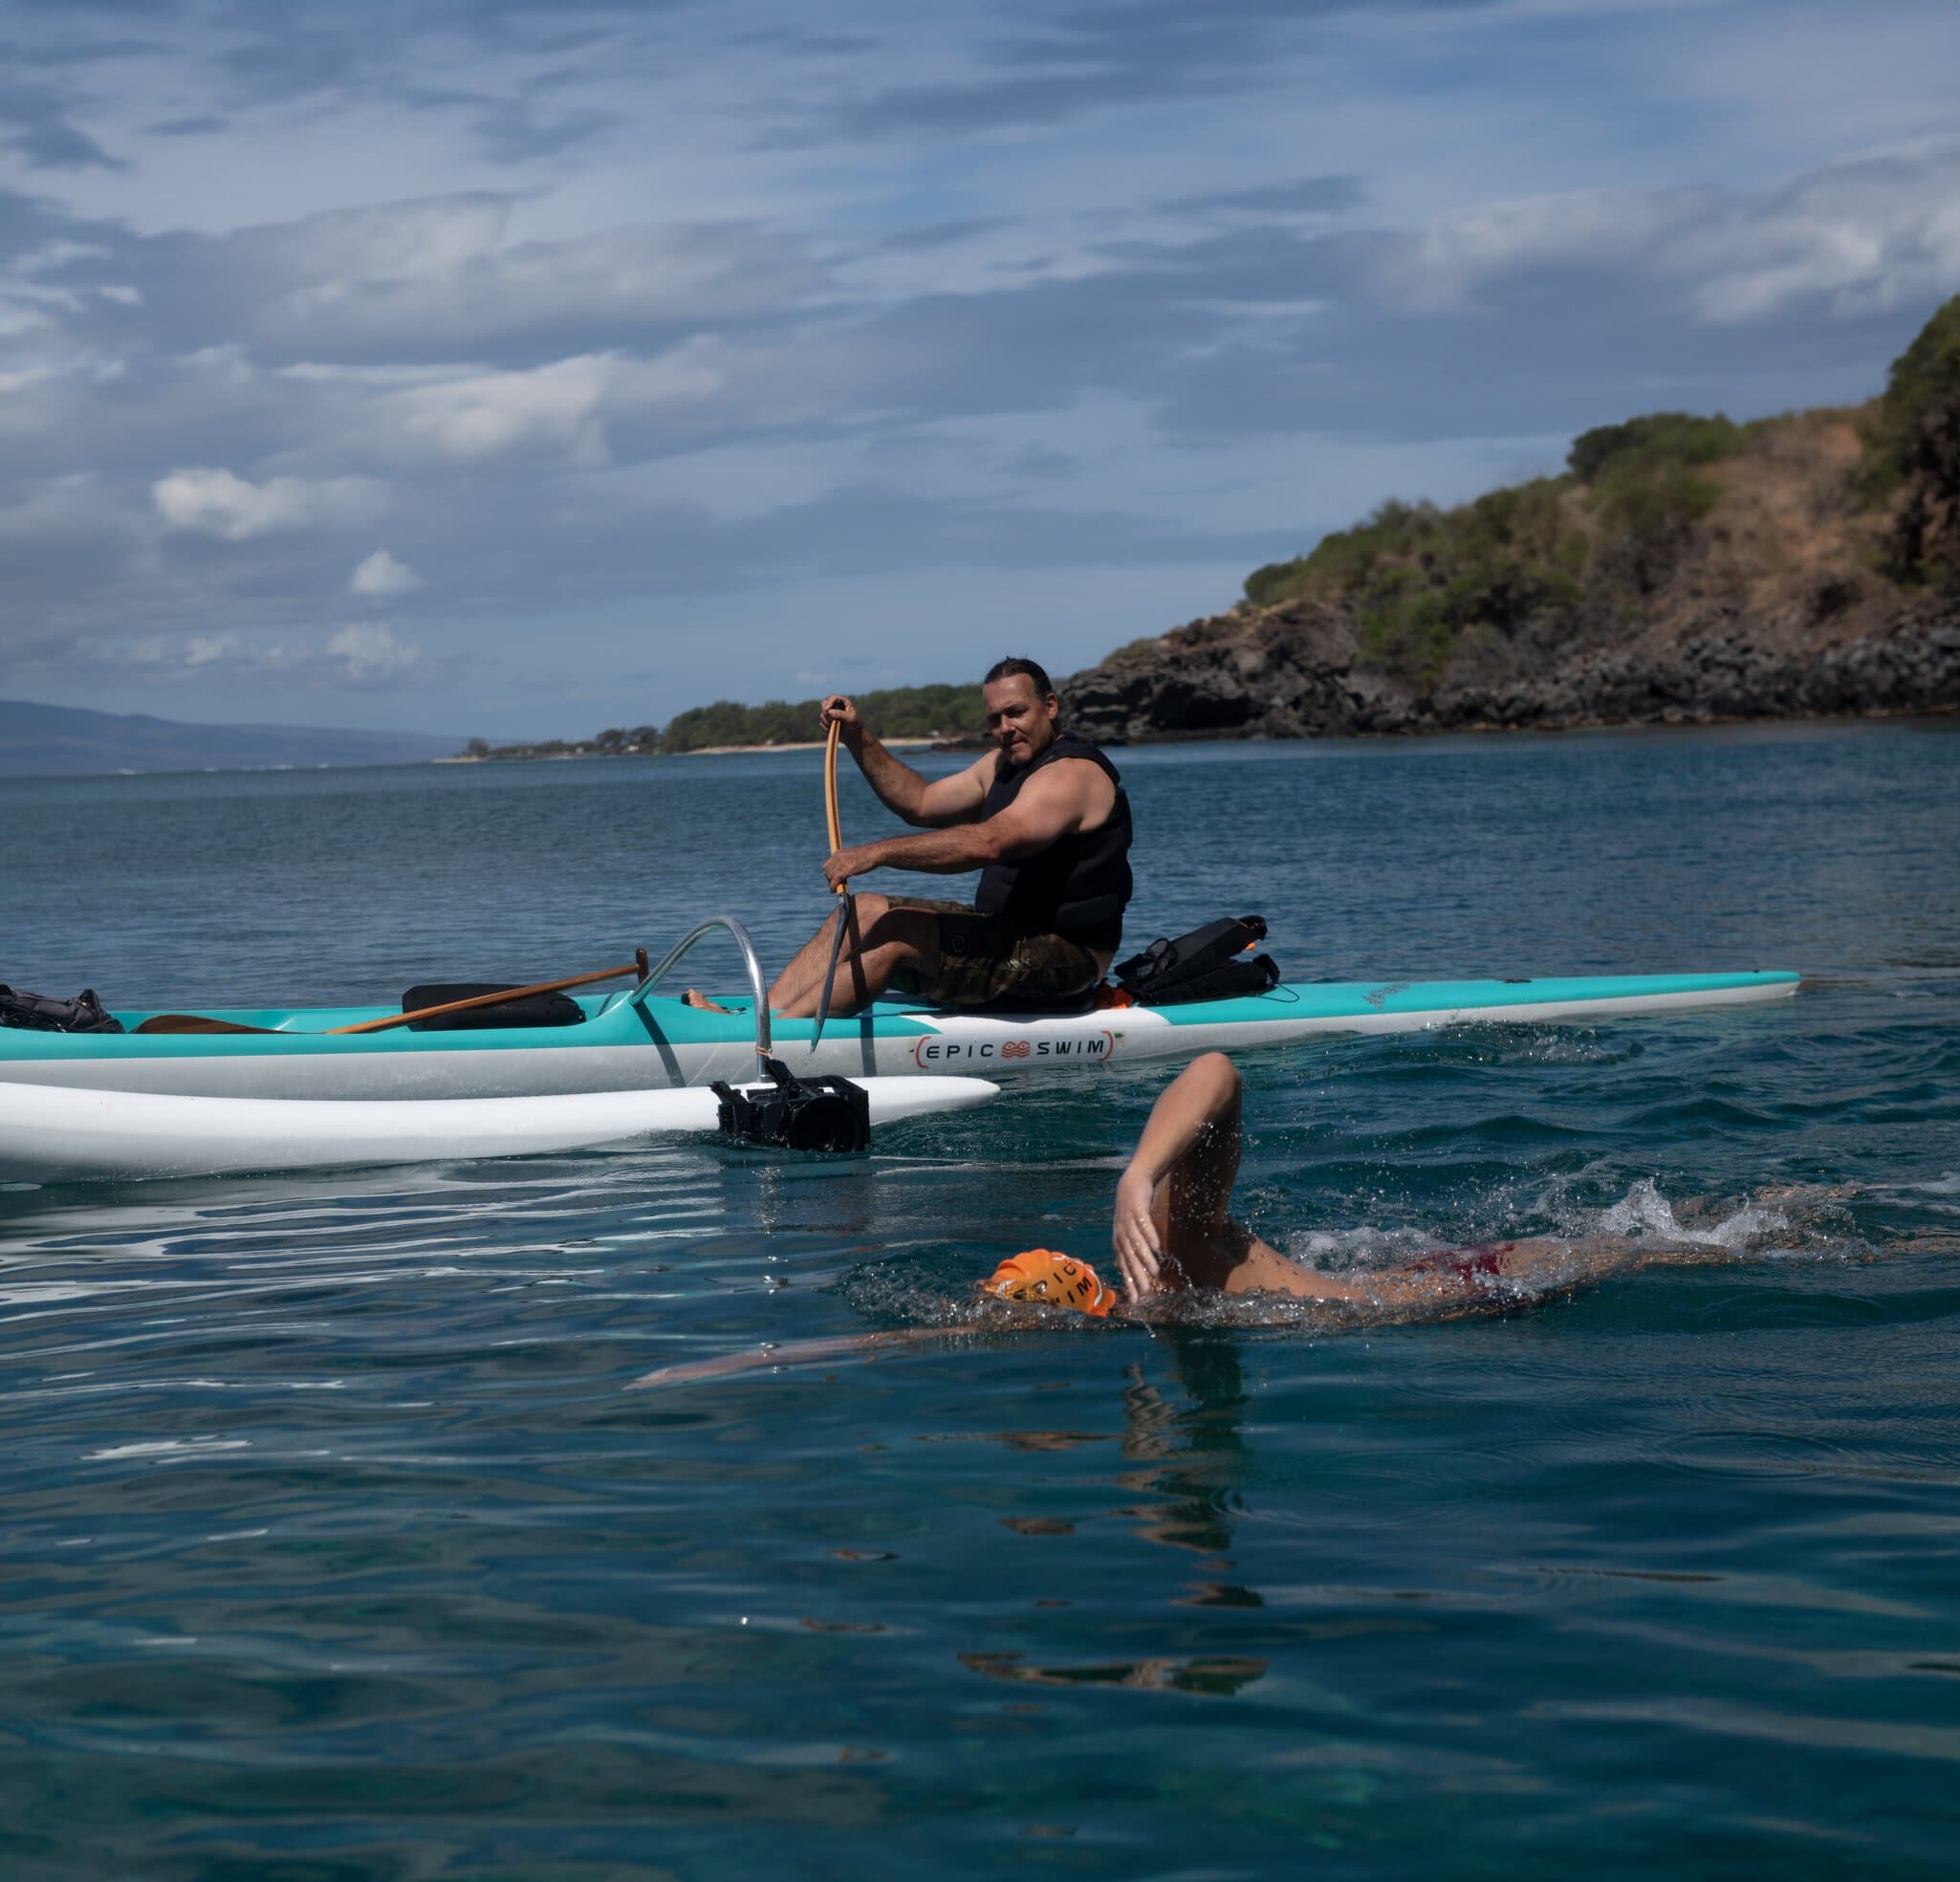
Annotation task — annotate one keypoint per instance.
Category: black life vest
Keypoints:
(1080, 884)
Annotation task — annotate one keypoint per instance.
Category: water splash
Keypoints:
(1644, 1212)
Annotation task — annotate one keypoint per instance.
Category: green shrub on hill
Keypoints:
(1420, 577)
(1647, 511)
(1657, 441)
(1646, 496)
(1914, 427)
(1912, 437)
(923, 712)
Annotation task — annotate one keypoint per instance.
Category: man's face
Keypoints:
(1019, 720)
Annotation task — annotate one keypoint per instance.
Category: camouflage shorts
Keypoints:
(982, 963)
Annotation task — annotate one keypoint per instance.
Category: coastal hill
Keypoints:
(69, 741)
(1683, 569)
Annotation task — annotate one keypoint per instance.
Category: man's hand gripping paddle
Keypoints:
(845, 909)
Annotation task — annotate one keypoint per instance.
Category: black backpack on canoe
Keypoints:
(36, 1012)
(1200, 966)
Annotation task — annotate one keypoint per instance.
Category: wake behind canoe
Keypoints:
(622, 1044)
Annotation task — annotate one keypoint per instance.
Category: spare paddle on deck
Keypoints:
(846, 908)
(637, 966)
(191, 1022)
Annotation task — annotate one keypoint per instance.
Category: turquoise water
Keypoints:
(338, 1546)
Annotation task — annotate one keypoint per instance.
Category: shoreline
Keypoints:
(1673, 721)
(521, 755)
(802, 745)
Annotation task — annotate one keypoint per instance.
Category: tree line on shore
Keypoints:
(920, 711)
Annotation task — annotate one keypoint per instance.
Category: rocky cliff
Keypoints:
(1298, 670)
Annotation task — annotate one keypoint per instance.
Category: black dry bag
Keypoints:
(38, 1013)
(1200, 966)
(795, 1114)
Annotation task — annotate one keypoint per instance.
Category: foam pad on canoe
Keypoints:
(539, 1010)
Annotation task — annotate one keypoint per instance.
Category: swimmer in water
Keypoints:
(1174, 1229)
(1173, 1232)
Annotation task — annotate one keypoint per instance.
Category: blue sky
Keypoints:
(516, 369)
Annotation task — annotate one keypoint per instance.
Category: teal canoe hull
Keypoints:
(625, 1045)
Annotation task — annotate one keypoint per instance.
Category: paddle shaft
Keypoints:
(832, 819)
(834, 825)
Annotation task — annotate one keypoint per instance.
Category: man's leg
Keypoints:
(880, 942)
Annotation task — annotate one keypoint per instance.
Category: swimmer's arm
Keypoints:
(866, 1347)
(1201, 1097)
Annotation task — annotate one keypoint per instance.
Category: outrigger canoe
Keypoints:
(640, 1040)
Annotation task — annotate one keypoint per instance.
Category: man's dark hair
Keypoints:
(1006, 669)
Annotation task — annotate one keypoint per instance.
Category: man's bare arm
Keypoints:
(927, 803)
(1054, 803)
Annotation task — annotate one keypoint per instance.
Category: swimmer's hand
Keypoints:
(1139, 1250)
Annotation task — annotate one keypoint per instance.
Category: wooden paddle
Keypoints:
(845, 909)
(192, 1022)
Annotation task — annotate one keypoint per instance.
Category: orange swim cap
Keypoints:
(1046, 1279)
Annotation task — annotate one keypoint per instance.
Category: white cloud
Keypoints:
(492, 413)
(202, 649)
(1446, 263)
(562, 405)
(439, 273)
(1860, 238)
(381, 574)
(214, 502)
(1867, 234)
(364, 657)
(371, 652)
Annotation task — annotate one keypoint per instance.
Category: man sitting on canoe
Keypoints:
(1042, 816)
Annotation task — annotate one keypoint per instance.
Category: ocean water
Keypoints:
(337, 1545)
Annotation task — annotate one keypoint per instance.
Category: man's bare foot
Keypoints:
(694, 996)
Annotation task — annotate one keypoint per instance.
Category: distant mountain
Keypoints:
(51, 741)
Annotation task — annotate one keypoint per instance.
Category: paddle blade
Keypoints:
(194, 1023)
(837, 948)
